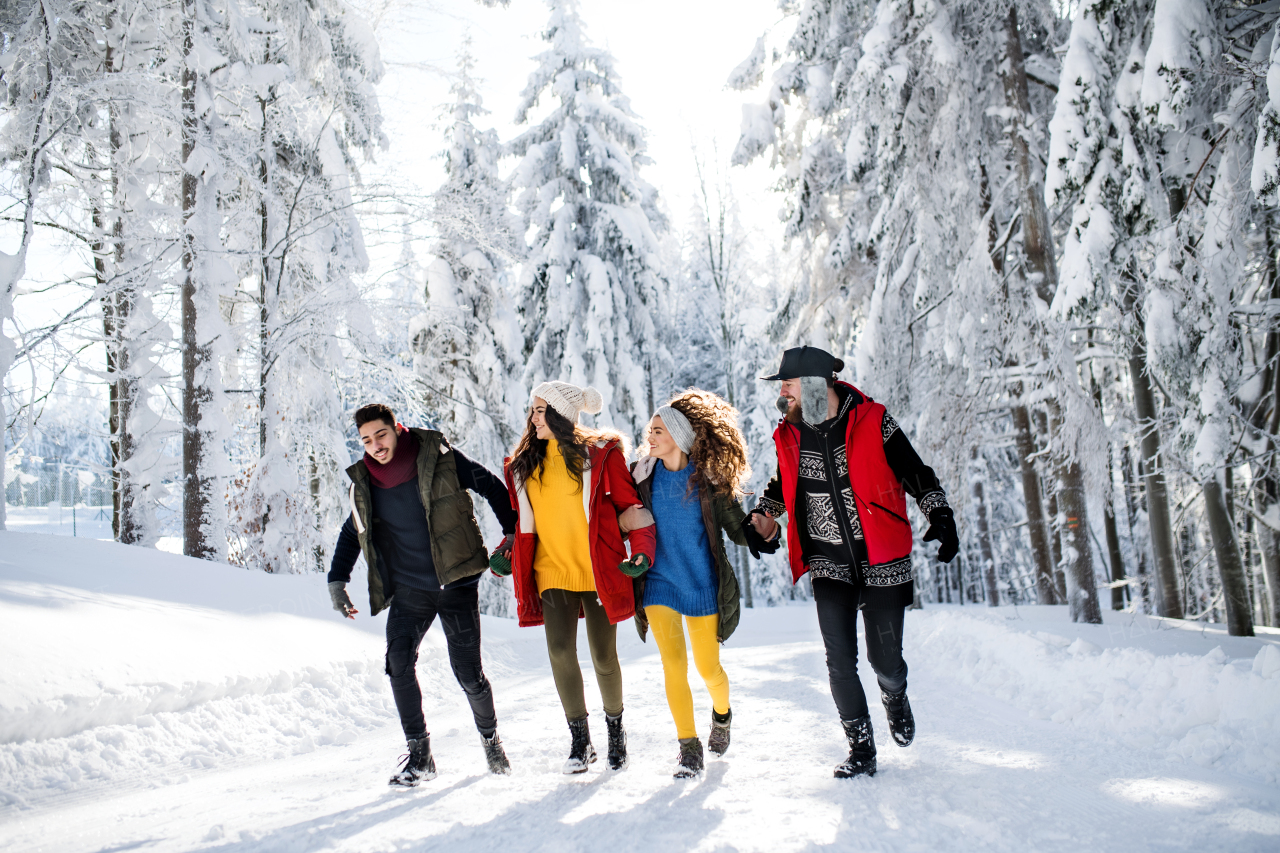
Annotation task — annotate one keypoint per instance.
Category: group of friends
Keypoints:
(588, 537)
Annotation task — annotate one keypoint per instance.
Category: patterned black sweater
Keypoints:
(830, 531)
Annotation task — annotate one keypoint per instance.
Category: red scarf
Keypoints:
(403, 466)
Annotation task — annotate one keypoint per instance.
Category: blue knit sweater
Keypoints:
(683, 576)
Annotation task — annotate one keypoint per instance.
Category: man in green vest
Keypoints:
(413, 520)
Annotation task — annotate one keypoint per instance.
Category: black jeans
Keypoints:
(412, 612)
(838, 620)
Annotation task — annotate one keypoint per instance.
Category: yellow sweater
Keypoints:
(563, 556)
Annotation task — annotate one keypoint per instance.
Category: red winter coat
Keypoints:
(614, 514)
(881, 500)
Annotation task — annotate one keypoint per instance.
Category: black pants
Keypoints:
(838, 620)
(412, 612)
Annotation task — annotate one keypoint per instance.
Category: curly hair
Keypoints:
(719, 452)
(529, 459)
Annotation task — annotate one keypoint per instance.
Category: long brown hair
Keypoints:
(719, 452)
(529, 459)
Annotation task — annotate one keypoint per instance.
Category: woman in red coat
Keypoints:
(577, 503)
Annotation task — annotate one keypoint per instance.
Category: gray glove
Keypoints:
(341, 601)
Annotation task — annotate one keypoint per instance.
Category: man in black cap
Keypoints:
(844, 470)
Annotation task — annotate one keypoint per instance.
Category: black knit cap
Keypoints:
(807, 361)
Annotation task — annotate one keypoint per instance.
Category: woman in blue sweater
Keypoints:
(691, 481)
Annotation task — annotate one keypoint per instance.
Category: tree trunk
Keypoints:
(1044, 446)
(984, 534)
(1266, 494)
(1037, 243)
(1108, 508)
(1226, 550)
(117, 310)
(1116, 556)
(1036, 527)
(1158, 517)
(197, 355)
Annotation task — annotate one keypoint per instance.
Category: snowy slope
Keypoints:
(148, 701)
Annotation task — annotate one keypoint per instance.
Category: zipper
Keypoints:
(891, 512)
(842, 517)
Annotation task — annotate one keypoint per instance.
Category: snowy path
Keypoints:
(261, 761)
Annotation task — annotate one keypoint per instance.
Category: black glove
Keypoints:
(635, 567)
(942, 527)
(500, 559)
(341, 601)
(756, 543)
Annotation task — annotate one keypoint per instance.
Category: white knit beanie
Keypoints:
(678, 426)
(569, 400)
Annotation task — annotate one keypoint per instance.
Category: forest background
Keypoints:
(1042, 233)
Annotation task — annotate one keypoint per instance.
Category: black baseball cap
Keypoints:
(807, 361)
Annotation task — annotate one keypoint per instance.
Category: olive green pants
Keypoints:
(560, 609)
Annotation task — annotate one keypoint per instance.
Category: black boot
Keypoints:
(617, 742)
(862, 749)
(718, 741)
(581, 752)
(902, 724)
(495, 755)
(689, 761)
(418, 766)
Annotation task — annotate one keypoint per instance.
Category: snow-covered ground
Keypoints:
(151, 702)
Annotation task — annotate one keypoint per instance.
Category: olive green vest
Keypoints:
(457, 548)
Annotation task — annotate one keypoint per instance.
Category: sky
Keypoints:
(673, 59)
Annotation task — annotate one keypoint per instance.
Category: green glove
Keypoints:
(500, 559)
(635, 567)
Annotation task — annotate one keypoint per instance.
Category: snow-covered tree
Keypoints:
(592, 281)
(467, 344)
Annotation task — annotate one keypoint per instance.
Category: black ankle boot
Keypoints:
(581, 752)
(718, 741)
(689, 762)
(495, 755)
(418, 765)
(617, 742)
(902, 724)
(862, 749)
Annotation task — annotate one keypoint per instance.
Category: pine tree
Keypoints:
(467, 343)
(592, 282)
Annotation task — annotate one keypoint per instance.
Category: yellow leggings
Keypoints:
(668, 632)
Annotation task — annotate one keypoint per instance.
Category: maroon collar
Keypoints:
(402, 468)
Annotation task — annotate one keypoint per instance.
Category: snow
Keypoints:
(150, 701)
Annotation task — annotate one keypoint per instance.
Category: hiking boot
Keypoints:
(689, 761)
(581, 752)
(718, 740)
(617, 742)
(418, 765)
(902, 724)
(862, 749)
(495, 755)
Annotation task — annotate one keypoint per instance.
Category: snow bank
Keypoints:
(127, 663)
(1211, 709)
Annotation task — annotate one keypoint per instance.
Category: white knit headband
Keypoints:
(678, 426)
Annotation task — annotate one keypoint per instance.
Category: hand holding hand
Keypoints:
(500, 559)
(942, 527)
(341, 601)
(764, 525)
(635, 567)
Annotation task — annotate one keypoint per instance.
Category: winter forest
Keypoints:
(1042, 233)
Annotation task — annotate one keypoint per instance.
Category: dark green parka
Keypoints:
(719, 513)
(457, 548)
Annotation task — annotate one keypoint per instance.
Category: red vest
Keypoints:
(880, 498)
